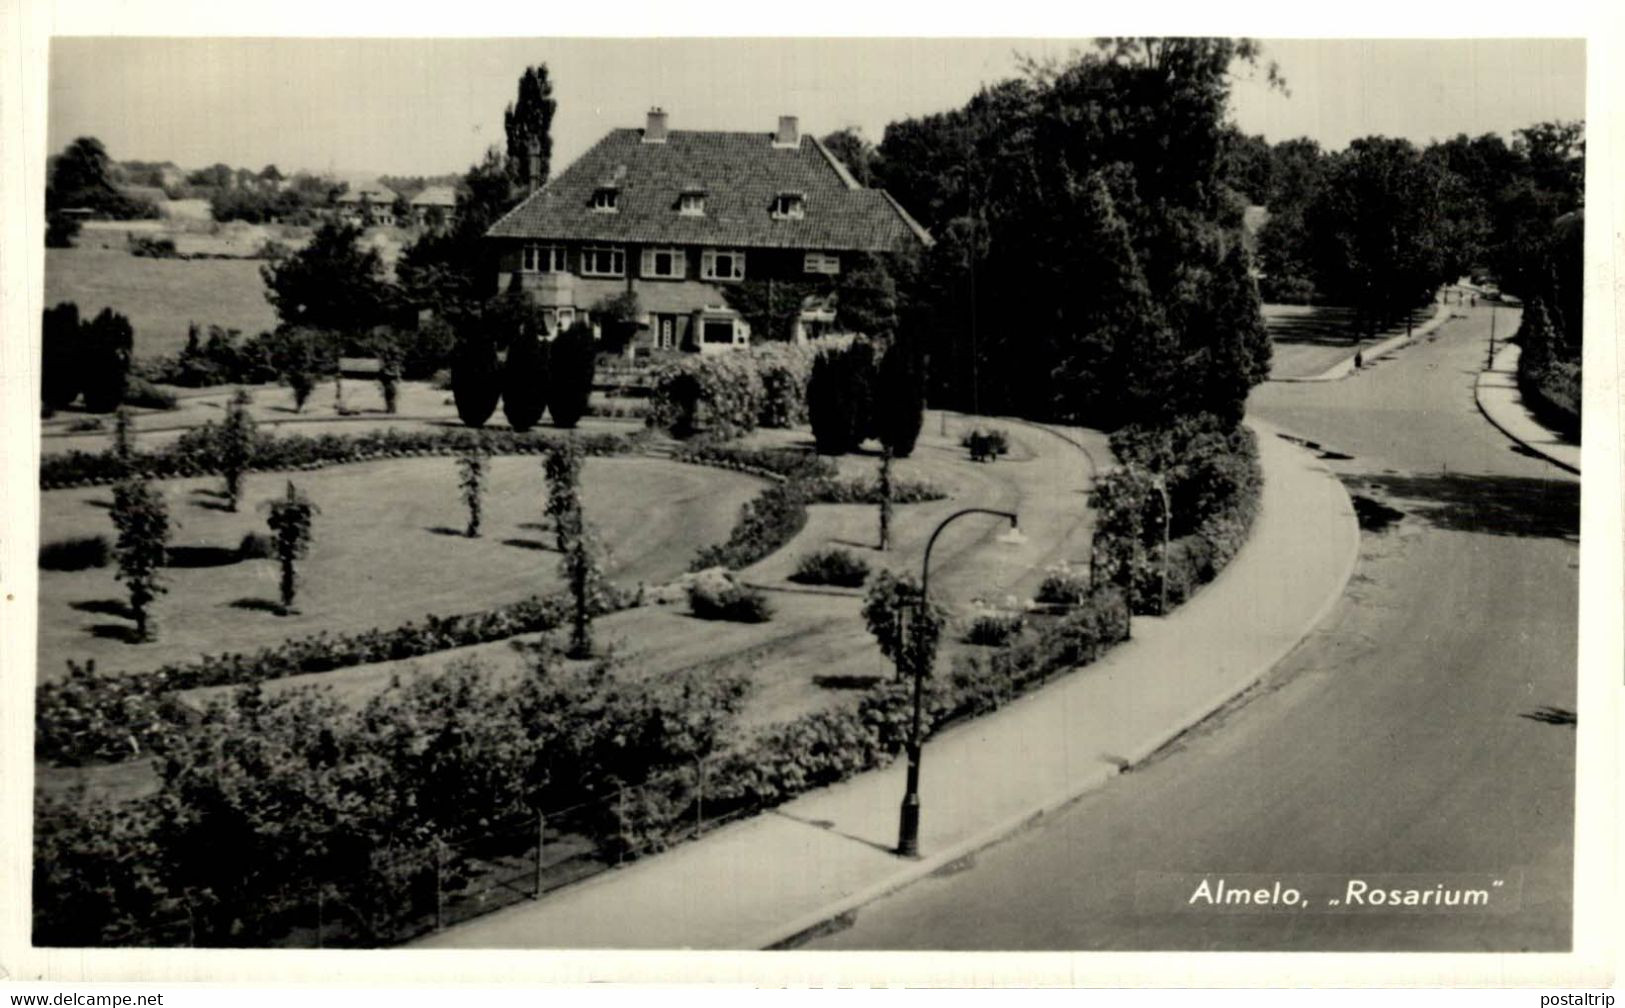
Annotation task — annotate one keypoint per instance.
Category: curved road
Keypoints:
(1426, 728)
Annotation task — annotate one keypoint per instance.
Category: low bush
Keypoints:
(734, 602)
(766, 523)
(831, 567)
(153, 248)
(223, 358)
(141, 392)
(198, 452)
(985, 445)
(62, 737)
(779, 463)
(719, 394)
(864, 491)
(255, 546)
(994, 629)
(79, 553)
(1063, 584)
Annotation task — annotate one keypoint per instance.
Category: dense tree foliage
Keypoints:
(106, 343)
(569, 379)
(60, 356)
(525, 380)
(332, 283)
(82, 177)
(899, 407)
(530, 118)
(142, 520)
(476, 382)
(840, 397)
(855, 152)
(1030, 313)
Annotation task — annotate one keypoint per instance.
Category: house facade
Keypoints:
(676, 216)
(436, 205)
(358, 203)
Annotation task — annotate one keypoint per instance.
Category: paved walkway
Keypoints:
(763, 881)
(1500, 401)
(1345, 367)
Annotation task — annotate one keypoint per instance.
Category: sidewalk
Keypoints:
(1502, 404)
(1343, 368)
(764, 881)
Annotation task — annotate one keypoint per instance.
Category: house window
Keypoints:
(606, 262)
(718, 331)
(821, 262)
(567, 318)
(789, 205)
(543, 259)
(664, 263)
(691, 204)
(721, 264)
(605, 200)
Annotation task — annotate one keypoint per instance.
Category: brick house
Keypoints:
(675, 216)
(435, 202)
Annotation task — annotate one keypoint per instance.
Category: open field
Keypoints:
(160, 296)
(388, 549)
(1311, 338)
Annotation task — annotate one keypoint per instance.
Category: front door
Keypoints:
(666, 337)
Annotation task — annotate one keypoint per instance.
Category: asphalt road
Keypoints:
(1426, 729)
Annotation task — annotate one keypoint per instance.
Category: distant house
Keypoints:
(367, 204)
(676, 216)
(435, 201)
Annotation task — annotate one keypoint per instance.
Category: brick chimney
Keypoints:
(533, 164)
(655, 130)
(789, 134)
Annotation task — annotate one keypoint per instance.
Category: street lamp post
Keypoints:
(908, 824)
(1167, 522)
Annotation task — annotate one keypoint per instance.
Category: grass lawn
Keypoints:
(388, 549)
(160, 296)
(1312, 338)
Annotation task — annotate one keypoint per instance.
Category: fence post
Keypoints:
(439, 921)
(541, 841)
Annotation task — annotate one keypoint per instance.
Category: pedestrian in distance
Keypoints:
(1359, 360)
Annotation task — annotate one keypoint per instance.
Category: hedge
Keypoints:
(197, 453)
(94, 715)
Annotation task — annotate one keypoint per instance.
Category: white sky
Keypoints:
(427, 106)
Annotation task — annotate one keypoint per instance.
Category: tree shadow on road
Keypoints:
(1497, 505)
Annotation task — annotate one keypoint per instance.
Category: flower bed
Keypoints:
(197, 452)
(94, 715)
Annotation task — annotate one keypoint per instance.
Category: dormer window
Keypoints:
(789, 206)
(606, 199)
(691, 203)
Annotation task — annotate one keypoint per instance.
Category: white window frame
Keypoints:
(679, 262)
(691, 204)
(617, 261)
(789, 206)
(542, 259)
(828, 263)
(606, 200)
(708, 264)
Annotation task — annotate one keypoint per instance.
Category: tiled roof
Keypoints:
(436, 196)
(374, 195)
(741, 173)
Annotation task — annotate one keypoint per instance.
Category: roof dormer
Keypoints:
(789, 205)
(691, 201)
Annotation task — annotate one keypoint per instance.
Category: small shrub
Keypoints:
(1063, 584)
(152, 248)
(831, 567)
(143, 393)
(994, 629)
(735, 603)
(78, 553)
(769, 521)
(255, 546)
(985, 445)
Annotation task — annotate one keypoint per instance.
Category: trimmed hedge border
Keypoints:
(195, 453)
(94, 715)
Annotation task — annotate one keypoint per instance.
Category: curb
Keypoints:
(1344, 368)
(788, 935)
(1505, 361)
